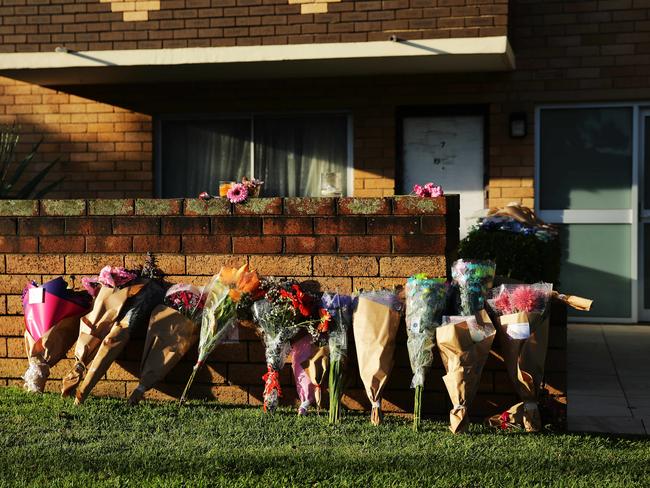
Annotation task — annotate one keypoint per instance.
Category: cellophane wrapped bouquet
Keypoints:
(376, 320)
(474, 278)
(425, 301)
(523, 323)
(339, 310)
(219, 316)
(280, 315)
(52, 312)
(173, 330)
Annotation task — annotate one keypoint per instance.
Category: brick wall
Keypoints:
(114, 24)
(566, 52)
(343, 244)
(105, 151)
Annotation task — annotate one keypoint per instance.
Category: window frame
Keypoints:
(160, 118)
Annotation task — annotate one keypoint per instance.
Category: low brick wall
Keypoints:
(344, 244)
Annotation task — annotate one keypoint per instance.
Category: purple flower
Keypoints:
(237, 193)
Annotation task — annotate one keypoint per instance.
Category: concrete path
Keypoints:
(609, 378)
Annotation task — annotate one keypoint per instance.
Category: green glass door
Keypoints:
(644, 219)
(585, 185)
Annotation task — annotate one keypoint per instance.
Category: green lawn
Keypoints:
(47, 441)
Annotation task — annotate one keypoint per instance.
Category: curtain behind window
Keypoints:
(196, 155)
(292, 152)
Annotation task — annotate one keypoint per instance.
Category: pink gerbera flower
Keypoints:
(237, 193)
(524, 299)
(502, 303)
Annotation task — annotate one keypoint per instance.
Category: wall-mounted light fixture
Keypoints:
(518, 125)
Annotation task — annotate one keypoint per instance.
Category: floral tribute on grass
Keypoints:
(425, 300)
(464, 343)
(173, 330)
(219, 316)
(111, 289)
(339, 314)
(52, 312)
(132, 319)
(284, 311)
(376, 320)
(523, 323)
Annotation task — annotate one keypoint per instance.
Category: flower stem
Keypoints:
(335, 392)
(417, 409)
(188, 386)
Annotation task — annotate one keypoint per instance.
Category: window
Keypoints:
(290, 153)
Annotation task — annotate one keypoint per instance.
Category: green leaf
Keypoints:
(30, 187)
(23, 164)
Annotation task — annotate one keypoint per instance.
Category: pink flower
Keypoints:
(434, 190)
(205, 196)
(237, 193)
(502, 303)
(428, 191)
(524, 299)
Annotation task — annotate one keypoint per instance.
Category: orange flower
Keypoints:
(235, 294)
(248, 282)
(229, 276)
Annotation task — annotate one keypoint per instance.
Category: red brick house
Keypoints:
(542, 102)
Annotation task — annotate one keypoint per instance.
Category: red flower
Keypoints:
(303, 300)
(325, 319)
(300, 301)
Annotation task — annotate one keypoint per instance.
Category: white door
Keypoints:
(449, 151)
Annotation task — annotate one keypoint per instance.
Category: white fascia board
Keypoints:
(254, 54)
(462, 55)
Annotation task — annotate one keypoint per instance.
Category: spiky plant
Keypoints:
(150, 268)
(11, 171)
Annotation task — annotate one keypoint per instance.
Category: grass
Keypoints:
(47, 441)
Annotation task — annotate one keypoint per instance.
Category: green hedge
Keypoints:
(519, 256)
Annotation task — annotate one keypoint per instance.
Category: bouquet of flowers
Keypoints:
(133, 317)
(283, 312)
(518, 219)
(474, 279)
(219, 316)
(523, 324)
(173, 330)
(429, 190)
(464, 344)
(425, 300)
(52, 313)
(112, 288)
(376, 320)
(339, 313)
